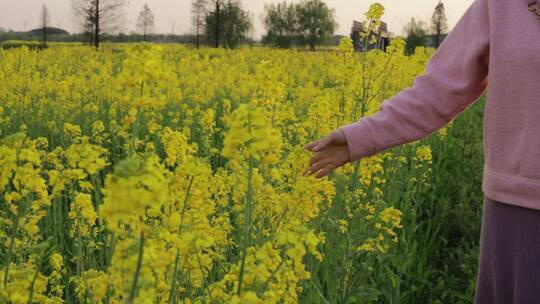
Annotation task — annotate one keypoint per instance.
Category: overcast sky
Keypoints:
(174, 15)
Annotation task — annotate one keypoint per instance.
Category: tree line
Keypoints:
(308, 22)
(218, 23)
(225, 23)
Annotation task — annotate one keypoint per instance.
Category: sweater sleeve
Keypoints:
(455, 76)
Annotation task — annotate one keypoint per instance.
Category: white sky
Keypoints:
(175, 15)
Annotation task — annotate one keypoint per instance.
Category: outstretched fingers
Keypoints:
(310, 146)
(316, 167)
(317, 157)
(326, 169)
(320, 144)
(323, 142)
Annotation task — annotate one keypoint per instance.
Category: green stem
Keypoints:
(131, 298)
(31, 294)
(79, 245)
(247, 223)
(10, 251)
(273, 274)
(172, 295)
(354, 178)
(109, 255)
(202, 273)
(184, 207)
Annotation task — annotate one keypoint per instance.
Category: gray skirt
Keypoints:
(509, 266)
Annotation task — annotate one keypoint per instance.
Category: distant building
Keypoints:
(381, 35)
(431, 40)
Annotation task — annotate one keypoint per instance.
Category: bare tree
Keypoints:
(172, 23)
(97, 17)
(251, 29)
(438, 23)
(198, 15)
(45, 20)
(146, 22)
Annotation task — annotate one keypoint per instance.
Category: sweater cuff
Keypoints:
(359, 140)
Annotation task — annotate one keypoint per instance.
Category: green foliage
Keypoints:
(316, 21)
(231, 23)
(281, 22)
(309, 22)
(416, 31)
(19, 43)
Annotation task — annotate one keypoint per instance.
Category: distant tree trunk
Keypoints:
(145, 32)
(198, 19)
(198, 25)
(217, 23)
(96, 26)
(312, 42)
(44, 23)
(252, 29)
(44, 31)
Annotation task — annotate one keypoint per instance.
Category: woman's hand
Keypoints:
(331, 152)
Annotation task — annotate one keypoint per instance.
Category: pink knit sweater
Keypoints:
(502, 37)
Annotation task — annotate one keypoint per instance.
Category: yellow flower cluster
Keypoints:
(137, 188)
(251, 137)
(24, 186)
(424, 159)
(86, 156)
(386, 221)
